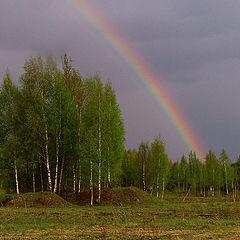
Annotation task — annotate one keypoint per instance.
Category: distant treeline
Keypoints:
(61, 132)
(149, 169)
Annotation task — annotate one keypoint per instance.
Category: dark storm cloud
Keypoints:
(186, 35)
(33, 25)
(193, 45)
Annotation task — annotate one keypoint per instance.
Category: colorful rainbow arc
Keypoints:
(148, 79)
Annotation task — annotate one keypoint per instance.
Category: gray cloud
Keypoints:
(193, 45)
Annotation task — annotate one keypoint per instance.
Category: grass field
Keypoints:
(196, 218)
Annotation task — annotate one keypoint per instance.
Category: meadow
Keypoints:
(173, 218)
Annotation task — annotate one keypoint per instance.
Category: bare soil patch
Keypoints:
(113, 197)
(41, 200)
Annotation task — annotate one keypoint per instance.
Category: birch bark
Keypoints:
(16, 176)
(46, 146)
(57, 152)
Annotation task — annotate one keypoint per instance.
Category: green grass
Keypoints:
(195, 219)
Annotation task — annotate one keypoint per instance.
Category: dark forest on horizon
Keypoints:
(61, 132)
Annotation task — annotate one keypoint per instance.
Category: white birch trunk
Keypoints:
(56, 169)
(47, 163)
(16, 176)
(79, 178)
(163, 188)
(46, 147)
(57, 154)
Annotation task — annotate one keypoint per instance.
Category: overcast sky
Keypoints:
(194, 46)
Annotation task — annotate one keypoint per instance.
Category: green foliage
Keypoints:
(210, 178)
(53, 119)
(55, 124)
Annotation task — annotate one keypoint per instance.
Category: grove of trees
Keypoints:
(150, 169)
(61, 132)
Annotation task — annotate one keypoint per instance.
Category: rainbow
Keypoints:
(149, 80)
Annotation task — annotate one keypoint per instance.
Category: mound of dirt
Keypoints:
(34, 200)
(115, 196)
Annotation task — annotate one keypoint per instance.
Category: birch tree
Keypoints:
(37, 81)
(63, 125)
(93, 121)
(78, 90)
(225, 162)
(9, 121)
(112, 136)
(213, 172)
(184, 172)
(143, 154)
(157, 155)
